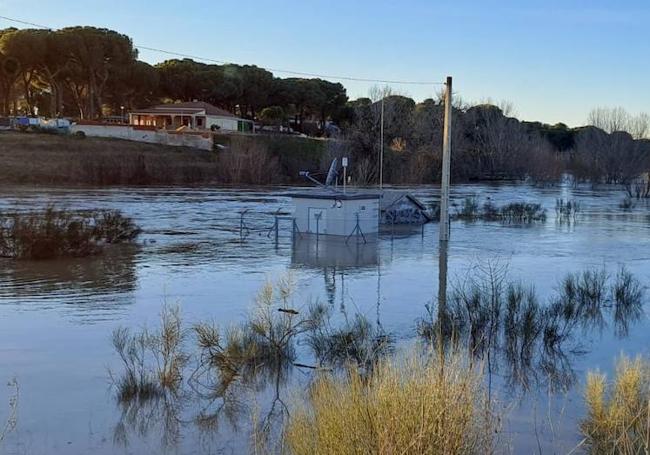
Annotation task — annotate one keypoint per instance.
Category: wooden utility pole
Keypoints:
(444, 228)
(446, 165)
(381, 144)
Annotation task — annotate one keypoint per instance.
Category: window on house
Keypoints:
(199, 122)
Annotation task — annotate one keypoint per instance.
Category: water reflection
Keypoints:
(334, 258)
(333, 253)
(90, 289)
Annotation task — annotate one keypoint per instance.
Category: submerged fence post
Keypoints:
(242, 225)
(317, 216)
(276, 227)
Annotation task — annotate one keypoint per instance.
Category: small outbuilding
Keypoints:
(329, 212)
(399, 207)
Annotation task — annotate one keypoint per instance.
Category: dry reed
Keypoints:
(617, 419)
(408, 405)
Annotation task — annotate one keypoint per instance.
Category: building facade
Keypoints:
(195, 115)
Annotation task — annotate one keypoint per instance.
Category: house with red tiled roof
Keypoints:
(194, 115)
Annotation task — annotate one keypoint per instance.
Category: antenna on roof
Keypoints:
(332, 174)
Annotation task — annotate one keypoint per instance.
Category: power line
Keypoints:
(18, 21)
(275, 70)
(296, 73)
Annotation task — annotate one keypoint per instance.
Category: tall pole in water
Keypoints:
(381, 144)
(444, 228)
(446, 165)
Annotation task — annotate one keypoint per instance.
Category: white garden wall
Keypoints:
(144, 135)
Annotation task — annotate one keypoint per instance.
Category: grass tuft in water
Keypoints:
(408, 405)
(617, 414)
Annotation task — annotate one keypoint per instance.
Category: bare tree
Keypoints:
(640, 126)
(618, 119)
(612, 158)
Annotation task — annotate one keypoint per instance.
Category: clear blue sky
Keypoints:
(554, 60)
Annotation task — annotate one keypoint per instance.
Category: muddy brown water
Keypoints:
(56, 317)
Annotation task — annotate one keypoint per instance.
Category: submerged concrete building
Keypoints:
(334, 213)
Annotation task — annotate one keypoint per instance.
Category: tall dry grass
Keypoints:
(408, 405)
(248, 161)
(618, 417)
(45, 159)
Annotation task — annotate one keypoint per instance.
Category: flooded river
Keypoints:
(56, 317)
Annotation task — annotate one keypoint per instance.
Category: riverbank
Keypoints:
(49, 159)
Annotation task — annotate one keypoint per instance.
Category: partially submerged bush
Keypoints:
(409, 406)
(152, 362)
(583, 297)
(263, 345)
(617, 414)
(355, 342)
(111, 226)
(567, 210)
(469, 210)
(523, 212)
(520, 212)
(55, 232)
(487, 313)
(627, 203)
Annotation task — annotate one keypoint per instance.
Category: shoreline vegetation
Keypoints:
(54, 159)
(37, 158)
(365, 392)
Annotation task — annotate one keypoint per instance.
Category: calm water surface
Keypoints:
(56, 317)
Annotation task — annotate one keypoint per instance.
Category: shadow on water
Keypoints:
(90, 288)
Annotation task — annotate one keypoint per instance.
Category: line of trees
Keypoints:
(90, 72)
(488, 143)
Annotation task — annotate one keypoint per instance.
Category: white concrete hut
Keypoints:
(334, 213)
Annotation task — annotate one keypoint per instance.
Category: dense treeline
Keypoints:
(90, 73)
(487, 143)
